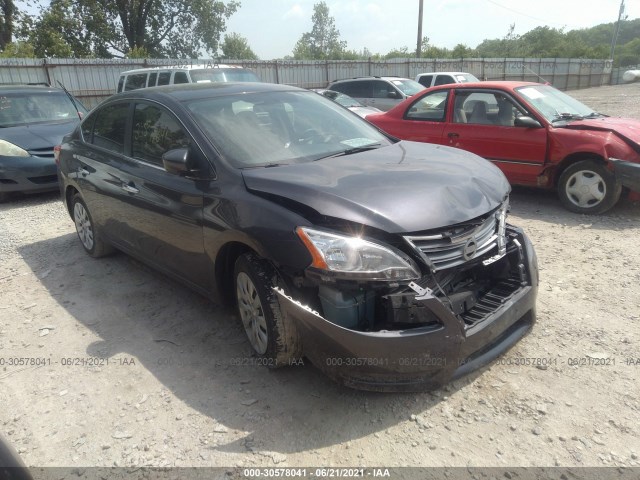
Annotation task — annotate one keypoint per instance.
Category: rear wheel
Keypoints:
(588, 187)
(272, 335)
(88, 233)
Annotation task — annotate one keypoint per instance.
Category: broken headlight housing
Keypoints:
(355, 258)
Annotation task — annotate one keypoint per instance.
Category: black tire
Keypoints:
(588, 187)
(88, 233)
(272, 335)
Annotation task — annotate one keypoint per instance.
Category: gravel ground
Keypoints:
(139, 371)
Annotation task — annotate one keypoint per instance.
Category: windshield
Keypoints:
(408, 87)
(42, 107)
(553, 104)
(223, 75)
(465, 77)
(275, 128)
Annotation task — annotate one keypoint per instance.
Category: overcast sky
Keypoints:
(272, 27)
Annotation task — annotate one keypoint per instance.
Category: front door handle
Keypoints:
(83, 171)
(129, 188)
(453, 135)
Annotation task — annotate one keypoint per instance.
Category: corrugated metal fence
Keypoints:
(93, 80)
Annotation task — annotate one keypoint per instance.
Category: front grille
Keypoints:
(42, 152)
(459, 244)
(44, 179)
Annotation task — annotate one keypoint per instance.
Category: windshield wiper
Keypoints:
(595, 115)
(264, 165)
(566, 116)
(350, 151)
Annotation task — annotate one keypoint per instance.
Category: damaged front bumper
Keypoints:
(429, 356)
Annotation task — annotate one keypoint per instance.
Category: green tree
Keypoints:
(18, 50)
(236, 47)
(323, 41)
(167, 28)
(629, 53)
(66, 29)
(7, 12)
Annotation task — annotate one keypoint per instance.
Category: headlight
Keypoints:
(10, 150)
(356, 258)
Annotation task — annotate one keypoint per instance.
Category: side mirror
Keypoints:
(176, 161)
(526, 121)
(393, 95)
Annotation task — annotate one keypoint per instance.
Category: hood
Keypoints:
(38, 136)
(405, 187)
(627, 129)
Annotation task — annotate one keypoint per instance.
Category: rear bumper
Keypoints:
(627, 173)
(417, 359)
(28, 174)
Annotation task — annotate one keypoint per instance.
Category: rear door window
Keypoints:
(432, 107)
(164, 78)
(152, 79)
(110, 127)
(356, 89)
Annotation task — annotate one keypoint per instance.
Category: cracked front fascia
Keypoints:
(324, 340)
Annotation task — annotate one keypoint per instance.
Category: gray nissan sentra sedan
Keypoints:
(389, 264)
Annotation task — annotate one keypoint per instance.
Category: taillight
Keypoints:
(56, 154)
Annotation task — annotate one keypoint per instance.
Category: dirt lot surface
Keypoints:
(136, 370)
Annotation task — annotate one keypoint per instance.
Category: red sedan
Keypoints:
(537, 135)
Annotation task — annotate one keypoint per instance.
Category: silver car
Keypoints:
(348, 102)
(379, 92)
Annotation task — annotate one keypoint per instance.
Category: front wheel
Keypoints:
(88, 233)
(272, 335)
(588, 187)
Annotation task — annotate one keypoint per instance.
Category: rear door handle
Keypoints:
(453, 135)
(83, 171)
(129, 188)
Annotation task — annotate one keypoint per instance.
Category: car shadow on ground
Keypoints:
(19, 199)
(198, 351)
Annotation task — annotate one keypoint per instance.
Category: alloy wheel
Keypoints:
(83, 225)
(252, 313)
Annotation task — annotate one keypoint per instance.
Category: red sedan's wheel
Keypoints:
(588, 187)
